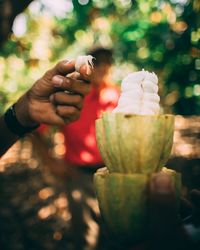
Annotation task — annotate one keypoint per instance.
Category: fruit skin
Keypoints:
(123, 202)
(134, 143)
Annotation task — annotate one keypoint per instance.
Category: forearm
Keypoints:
(15, 124)
(7, 138)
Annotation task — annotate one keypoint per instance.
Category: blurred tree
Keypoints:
(158, 35)
(163, 36)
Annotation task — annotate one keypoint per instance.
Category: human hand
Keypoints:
(166, 229)
(50, 100)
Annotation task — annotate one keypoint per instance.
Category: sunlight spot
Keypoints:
(45, 212)
(107, 95)
(144, 6)
(79, 34)
(171, 17)
(26, 154)
(179, 27)
(61, 202)
(197, 64)
(20, 25)
(45, 193)
(17, 63)
(65, 215)
(195, 35)
(2, 167)
(197, 89)
(57, 235)
(166, 8)
(126, 4)
(86, 156)
(93, 229)
(182, 2)
(143, 53)
(185, 149)
(58, 8)
(189, 91)
(76, 194)
(90, 140)
(59, 138)
(33, 163)
(156, 17)
(171, 98)
(83, 2)
(60, 149)
(101, 23)
(93, 204)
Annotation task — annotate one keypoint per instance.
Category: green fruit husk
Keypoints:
(123, 202)
(134, 143)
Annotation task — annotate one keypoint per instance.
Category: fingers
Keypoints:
(78, 76)
(68, 113)
(85, 72)
(66, 67)
(50, 107)
(67, 106)
(63, 67)
(70, 84)
(62, 98)
(59, 115)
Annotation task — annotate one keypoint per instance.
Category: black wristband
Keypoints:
(14, 125)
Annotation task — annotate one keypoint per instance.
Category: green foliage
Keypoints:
(158, 35)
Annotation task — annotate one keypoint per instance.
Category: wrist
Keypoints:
(22, 112)
(14, 125)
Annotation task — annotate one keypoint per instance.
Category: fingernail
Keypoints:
(71, 61)
(57, 81)
(88, 70)
(68, 61)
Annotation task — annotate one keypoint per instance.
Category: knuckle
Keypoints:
(48, 73)
(59, 64)
(68, 82)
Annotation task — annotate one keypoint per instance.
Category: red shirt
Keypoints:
(80, 136)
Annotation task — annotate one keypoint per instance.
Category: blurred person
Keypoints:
(80, 138)
(82, 157)
(45, 102)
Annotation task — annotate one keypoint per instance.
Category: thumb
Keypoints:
(61, 68)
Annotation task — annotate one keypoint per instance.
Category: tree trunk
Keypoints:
(9, 9)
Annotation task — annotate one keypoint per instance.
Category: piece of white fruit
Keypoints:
(84, 60)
